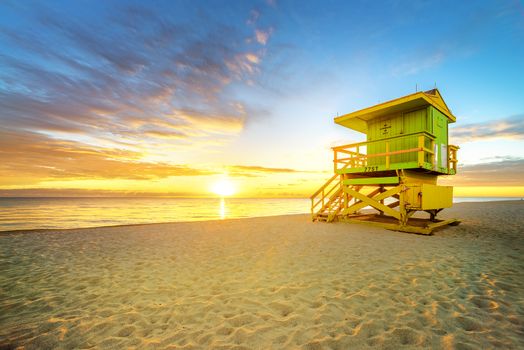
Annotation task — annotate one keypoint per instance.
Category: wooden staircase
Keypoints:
(328, 202)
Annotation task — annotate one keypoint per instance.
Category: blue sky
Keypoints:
(165, 90)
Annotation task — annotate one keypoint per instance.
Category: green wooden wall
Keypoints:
(426, 119)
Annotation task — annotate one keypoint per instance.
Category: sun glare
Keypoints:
(223, 188)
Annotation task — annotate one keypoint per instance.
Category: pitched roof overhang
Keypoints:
(358, 120)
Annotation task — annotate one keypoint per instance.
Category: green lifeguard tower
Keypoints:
(395, 170)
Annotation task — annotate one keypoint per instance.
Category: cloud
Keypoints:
(506, 128)
(256, 170)
(263, 36)
(415, 66)
(164, 134)
(80, 192)
(211, 123)
(253, 58)
(89, 95)
(450, 42)
(29, 158)
(146, 77)
(246, 170)
(253, 17)
(507, 172)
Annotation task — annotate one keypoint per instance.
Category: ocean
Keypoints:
(63, 213)
(47, 213)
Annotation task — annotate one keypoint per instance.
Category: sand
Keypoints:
(274, 282)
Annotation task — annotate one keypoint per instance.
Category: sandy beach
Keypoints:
(274, 282)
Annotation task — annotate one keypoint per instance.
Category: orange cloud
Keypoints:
(81, 192)
(507, 172)
(247, 169)
(213, 123)
(263, 36)
(166, 84)
(251, 57)
(164, 134)
(506, 128)
(29, 158)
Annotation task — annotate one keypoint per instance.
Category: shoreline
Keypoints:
(43, 230)
(38, 230)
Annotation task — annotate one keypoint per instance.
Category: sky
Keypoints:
(171, 97)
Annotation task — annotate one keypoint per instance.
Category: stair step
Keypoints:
(332, 199)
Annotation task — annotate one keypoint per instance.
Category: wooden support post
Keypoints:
(455, 159)
(454, 156)
(346, 196)
(335, 161)
(421, 150)
(433, 156)
(403, 217)
(382, 190)
(451, 158)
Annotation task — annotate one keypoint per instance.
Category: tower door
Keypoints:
(440, 130)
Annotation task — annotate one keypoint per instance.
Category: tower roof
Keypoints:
(358, 120)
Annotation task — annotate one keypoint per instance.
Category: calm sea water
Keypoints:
(42, 213)
(46, 213)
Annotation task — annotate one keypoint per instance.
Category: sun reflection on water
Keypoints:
(222, 211)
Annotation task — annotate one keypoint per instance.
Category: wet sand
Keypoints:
(273, 282)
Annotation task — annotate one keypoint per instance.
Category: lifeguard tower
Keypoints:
(395, 170)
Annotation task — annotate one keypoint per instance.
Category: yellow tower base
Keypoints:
(395, 199)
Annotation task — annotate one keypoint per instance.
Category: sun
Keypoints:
(223, 187)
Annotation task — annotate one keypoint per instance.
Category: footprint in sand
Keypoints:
(126, 331)
(282, 309)
(241, 320)
(406, 336)
(469, 324)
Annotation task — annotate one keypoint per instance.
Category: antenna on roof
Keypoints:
(416, 87)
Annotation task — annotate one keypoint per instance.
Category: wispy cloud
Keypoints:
(257, 170)
(81, 192)
(253, 17)
(29, 158)
(506, 128)
(249, 170)
(146, 73)
(142, 79)
(507, 172)
(262, 36)
(458, 41)
(414, 66)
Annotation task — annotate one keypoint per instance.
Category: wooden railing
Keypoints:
(326, 195)
(356, 155)
(452, 157)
